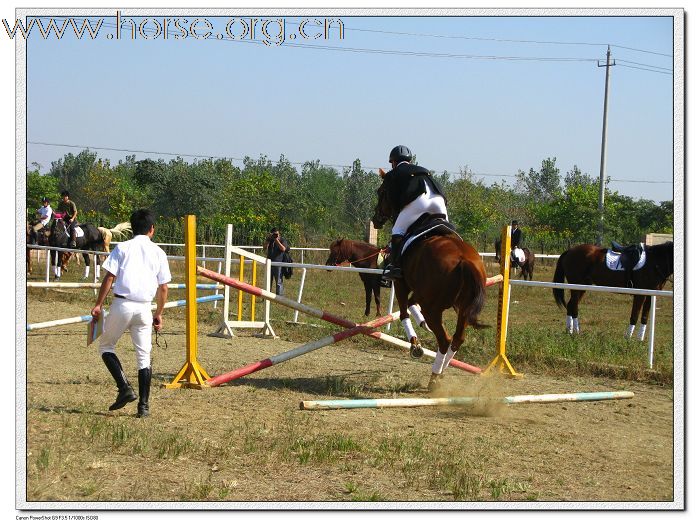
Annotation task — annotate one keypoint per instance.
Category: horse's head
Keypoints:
(383, 211)
(663, 259)
(337, 255)
(58, 236)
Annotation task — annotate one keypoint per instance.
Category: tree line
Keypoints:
(315, 204)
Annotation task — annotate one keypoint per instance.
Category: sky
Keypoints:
(494, 116)
(493, 94)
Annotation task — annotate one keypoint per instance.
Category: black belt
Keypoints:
(120, 296)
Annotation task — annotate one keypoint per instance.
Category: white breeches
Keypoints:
(136, 317)
(429, 202)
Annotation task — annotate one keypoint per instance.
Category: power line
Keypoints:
(645, 69)
(641, 64)
(203, 156)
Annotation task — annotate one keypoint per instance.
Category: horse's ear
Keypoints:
(382, 173)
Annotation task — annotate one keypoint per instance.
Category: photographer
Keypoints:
(276, 246)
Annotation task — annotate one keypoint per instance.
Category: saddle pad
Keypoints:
(78, 231)
(612, 260)
(380, 259)
(440, 228)
(519, 254)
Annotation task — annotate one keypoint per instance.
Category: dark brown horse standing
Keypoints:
(439, 273)
(586, 265)
(526, 268)
(360, 255)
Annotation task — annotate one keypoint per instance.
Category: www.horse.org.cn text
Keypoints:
(267, 31)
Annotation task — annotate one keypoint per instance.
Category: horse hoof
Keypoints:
(434, 383)
(416, 351)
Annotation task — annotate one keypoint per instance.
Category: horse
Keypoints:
(526, 268)
(360, 255)
(439, 272)
(585, 264)
(93, 238)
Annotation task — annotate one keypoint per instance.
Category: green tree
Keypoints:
(39, 186)
(360, 197)
(540, 185)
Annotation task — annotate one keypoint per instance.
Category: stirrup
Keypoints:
(392, 272)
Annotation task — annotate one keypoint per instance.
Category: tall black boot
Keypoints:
(144, 391)
(393, 269)
(126, 393)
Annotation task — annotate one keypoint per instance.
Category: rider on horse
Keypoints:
(44, 213)
(414, 192)
(67, 207)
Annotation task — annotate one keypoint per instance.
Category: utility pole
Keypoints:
(601, 194)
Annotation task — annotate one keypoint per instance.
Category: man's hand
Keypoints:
(158, 322)
(96, 311)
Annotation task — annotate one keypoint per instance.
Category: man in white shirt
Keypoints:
(139, 270)
(44, 213)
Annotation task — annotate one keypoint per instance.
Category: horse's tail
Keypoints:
(472, 294)
(559, 277)
(121, 230)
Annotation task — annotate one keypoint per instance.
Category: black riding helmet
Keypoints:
(400, 153)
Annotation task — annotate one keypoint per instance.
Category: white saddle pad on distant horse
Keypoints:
(78, 231)
(519, 254)
(612, 260)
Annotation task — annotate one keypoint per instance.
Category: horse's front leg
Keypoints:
(637, 302)
(376, 289)
(86, 260)
(368, 293)
(645, 316)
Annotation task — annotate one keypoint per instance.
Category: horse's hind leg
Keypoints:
(572, 325)
(433, 317)
(86, 259)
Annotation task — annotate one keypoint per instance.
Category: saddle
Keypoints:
(629, 255)
(426, 226)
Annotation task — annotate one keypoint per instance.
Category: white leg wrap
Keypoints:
(408, 328)
(87, 272)
(439, 363)
(448, 356)
(569, 324)
(414, 310)
(642, 332)
(576, 327)
(630, 331)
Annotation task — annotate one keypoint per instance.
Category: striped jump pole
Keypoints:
(318, 313)
(59, 285)
(463, 400)
(88, 317)
(365, 328)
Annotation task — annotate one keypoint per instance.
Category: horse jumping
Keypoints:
(586, 265)
(360, 255)
(439, 273)
(93, 238)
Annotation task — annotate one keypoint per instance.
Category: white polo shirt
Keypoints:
(45, 211)
(139, 266)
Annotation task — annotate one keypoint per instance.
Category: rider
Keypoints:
(515, 234)
(44, 214)
(413, 191)
(71, 212)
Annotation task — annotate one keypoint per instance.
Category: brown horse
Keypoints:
(585, 264)
(526, 268)
(360, 255)
(439, 273)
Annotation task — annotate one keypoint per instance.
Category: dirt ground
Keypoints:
(611, 451)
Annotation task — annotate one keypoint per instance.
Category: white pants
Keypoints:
(429, 202)
(132, 315)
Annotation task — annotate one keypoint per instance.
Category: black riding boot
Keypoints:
(144, 391)
(126, 393)
(393, 269)
(73, 242)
